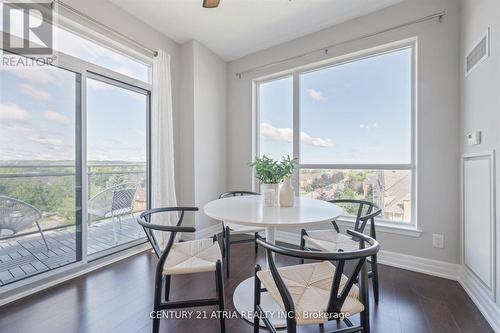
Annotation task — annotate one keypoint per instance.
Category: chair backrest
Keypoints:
(17, 215)
(145, 221)
(123, 199)
(337, 296)
(237, 193)
(106, 201)
(366, 211)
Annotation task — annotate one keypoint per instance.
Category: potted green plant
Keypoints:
(271, 173)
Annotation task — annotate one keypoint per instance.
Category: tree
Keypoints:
(116, 179)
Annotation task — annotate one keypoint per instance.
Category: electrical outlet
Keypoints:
(438, 241)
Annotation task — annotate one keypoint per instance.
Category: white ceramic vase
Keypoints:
(287, 195)
(270, 194)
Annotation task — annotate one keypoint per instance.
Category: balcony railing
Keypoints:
(51, 188)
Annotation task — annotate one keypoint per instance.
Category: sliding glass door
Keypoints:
(74, 154)
(116, 127)
(40, 183)
(74, 163)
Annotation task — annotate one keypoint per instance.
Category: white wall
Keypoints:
(209, 128)
(480, 91)
(203, 129)
(186, 137)
(438, 112)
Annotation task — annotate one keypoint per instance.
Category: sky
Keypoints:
(38, 110)
(353, 113)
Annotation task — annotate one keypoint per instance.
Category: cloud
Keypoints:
(275, 133)
(374, 125)
(48, 141)
(286, 135)
(57, 117)
(35, 93)
(11, 114)
(316, 95)
(316, 142)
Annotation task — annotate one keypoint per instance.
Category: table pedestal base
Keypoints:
(243, 299)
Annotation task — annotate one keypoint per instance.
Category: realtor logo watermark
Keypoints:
(27, 31)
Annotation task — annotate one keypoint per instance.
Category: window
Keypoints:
(38, 166)
(355, 123)
(75, 45)
(82, 48)
(276, 117)
(116, 157)
(74, 147)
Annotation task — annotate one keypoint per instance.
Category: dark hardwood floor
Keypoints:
(118, 298)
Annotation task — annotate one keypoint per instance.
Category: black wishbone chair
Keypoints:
(316, 293)
(231, 228)
(333, 240)
(201, 255)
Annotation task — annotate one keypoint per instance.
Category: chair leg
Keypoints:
(228, 250)
(365, 321)
(41, 233)
(256, 301)
(157, 302)
(364, 296)
(167, 287)
(375, 278)
(256, 235)
(223, 241)
(114, 229)
(220, 294)
(302, 242)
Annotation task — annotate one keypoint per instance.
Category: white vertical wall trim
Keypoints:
(481, 298)
(473, 276)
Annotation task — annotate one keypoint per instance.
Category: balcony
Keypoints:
(26, 255)
(50, 189)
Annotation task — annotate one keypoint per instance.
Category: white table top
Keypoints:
(249, 210)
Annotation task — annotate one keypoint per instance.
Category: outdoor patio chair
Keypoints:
(17, 215)
(113, 202)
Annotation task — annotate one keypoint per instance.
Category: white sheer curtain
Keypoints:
(162, 144)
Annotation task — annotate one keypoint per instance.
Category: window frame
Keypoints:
(84, 69)
(296, 72)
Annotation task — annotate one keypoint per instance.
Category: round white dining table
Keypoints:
(250, 211)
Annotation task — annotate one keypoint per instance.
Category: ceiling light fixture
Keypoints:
(211, 3)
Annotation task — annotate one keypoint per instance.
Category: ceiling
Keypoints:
(240, 27)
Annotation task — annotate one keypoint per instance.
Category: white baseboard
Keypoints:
(421, 265)
(417, 264)
(480, 297)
